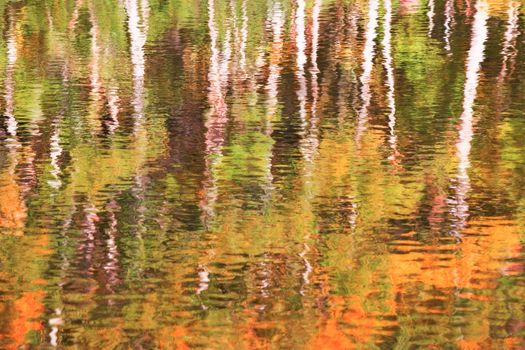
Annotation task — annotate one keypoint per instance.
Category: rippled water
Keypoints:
(262, 174)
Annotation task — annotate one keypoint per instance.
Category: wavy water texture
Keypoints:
(262, 174)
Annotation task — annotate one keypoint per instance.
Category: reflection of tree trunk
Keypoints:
(138, 16)
(111, 267)
(449, 23)
(95, 108)
(114, 107)
(55, 148)
(9, 84)
(311, 139)
(216, 124)
(56, 320)
(368, 64)
(138, 29)
(13, 211)
(244, 38)
(300, 44)
(74, 17)
(508, 52)
(460, 207)
(89, 229)
(217, 117)
(387, 53)
(430, 15)
(276, 16)
(98, 92)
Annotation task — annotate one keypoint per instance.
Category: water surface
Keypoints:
(262, 174)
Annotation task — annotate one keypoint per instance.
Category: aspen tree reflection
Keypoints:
(235, 174)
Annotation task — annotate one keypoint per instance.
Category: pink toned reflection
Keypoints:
(468, 8)
(276, 16)
(97, 84)
(74, 18)
(111, 267)
(89, 230)
(244, 37)
(368, 64)
(94, 72)
(407, 7)
(217, 117)
(460, 209)
(94, 75)
(218, 76)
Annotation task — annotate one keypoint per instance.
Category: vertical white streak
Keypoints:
(387, 53)
(474, 59)
(368, 63)
(55, 149)
(218, 80)
(277, 18)
(511, 33)
(138, 29)
(316, 11)
(449, 23)
(300, 34)
(55, 322)
(308, 269)
(263, 283)
(113, 104)
(138, 16)
(94, 75)
(89, 230)
(95, 80)
(430, 15)
(300, 43)
(215, 120)
(204, 279)
(112, 264)
(312, 139)
(55, 153)
(9, 94)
